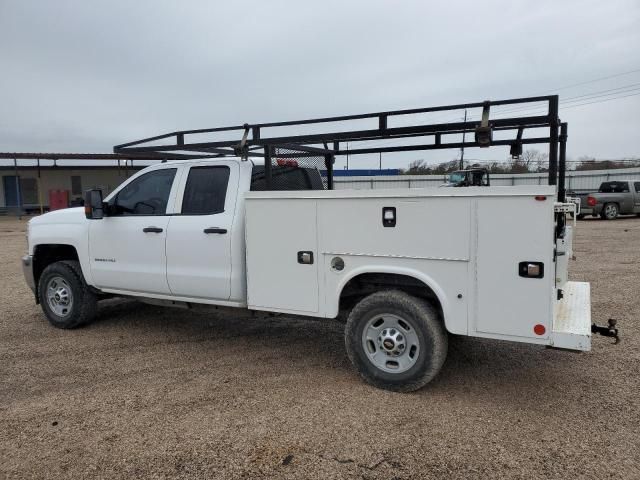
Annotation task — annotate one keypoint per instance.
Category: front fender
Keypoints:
(74, 234)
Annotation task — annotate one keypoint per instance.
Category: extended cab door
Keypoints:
(127, 247)
(199, 236)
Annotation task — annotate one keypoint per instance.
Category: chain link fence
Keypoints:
(581, 181)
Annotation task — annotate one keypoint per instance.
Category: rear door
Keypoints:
(199, 234)
(636, 197)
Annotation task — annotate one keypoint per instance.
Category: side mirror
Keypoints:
(93, 206)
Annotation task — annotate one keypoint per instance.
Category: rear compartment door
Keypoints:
(511, 230)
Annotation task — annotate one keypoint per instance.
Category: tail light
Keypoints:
(591, 201)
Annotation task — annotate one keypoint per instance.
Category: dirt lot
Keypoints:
(165, 393)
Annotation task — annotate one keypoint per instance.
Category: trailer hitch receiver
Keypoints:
(608, 331)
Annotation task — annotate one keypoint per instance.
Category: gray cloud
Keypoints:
(82, 76)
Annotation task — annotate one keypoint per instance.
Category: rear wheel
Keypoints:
(396, 341)
(66, 299)
(609, 211)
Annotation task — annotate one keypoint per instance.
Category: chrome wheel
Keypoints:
(611, 210)
(391, 343)
(59, 296)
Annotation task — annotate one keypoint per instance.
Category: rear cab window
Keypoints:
(614, 187)
(286, 178)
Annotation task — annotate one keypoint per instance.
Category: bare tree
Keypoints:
(534, 160)
(417, 167)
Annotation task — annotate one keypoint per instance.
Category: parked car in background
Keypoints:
(620, 197)
(470, 177)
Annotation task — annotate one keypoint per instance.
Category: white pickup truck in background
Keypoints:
(407, 266)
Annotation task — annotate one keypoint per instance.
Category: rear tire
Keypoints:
(65, 297)
(609, 211)
(383, 331)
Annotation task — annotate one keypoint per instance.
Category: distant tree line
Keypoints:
(588, 163)
(531, 161)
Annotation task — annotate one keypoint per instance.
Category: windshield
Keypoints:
(456, 177)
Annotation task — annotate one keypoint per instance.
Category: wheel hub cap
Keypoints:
(391, 343)
(59, 296)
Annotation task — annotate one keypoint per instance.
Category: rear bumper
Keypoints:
(27, 269)
(586, 211)
(572, 318)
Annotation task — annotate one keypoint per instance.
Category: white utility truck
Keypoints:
(405, 267)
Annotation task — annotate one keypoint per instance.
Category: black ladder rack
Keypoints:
(254, 140)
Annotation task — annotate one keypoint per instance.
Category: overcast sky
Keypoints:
(81, 76)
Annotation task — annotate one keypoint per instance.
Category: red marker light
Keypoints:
(591, 201)
(539, 329)
(541, 198)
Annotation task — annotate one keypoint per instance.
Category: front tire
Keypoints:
(396, 341)
(66, 299)
(610, 211)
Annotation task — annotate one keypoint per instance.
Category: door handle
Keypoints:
(152, 230)
(215, 230)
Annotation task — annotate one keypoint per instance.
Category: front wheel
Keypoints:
(396, 341)
(65, 297)
(610, 211)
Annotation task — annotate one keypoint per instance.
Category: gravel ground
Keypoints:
(165, 393)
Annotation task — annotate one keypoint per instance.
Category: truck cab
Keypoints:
(174, 230)
(470, 177)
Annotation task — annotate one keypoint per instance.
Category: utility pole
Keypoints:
(464, 131)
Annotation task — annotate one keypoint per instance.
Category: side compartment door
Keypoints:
(127, 248)
(282, 255)
(199, 238)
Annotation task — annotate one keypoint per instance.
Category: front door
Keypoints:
(199, 238)
(127, 247)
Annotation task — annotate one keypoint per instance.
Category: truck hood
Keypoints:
(65, 215)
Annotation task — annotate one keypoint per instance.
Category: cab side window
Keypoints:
(146, 195)
(637, 185)
(205, 191)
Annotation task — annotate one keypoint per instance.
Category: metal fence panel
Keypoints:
(582, 181)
